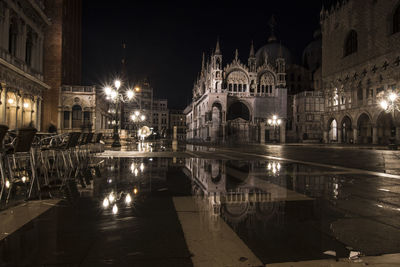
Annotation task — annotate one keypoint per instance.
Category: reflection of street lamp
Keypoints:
(274, 122)
(117, 98)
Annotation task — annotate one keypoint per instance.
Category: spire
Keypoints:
(236, 54)
(272, 25)
(217, 49)
(252, 49)
(203, 61)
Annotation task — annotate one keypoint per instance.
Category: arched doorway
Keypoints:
(347, 130)
(238, 120)
(364, 129)
(332, 133)
(385, 127)
(238, 110)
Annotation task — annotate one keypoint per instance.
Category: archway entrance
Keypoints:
(347, 130)
(332, 136)
(364, 129)
(238, 120)
(385, 127)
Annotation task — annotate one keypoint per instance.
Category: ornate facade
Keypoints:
(233, 103)
(22, 28)
(360, 64)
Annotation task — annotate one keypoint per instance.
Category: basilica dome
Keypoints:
(271, 51)
(312, 55)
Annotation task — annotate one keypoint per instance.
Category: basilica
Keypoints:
(236, 101)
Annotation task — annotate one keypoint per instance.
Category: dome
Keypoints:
(312, 54)
(272, 51)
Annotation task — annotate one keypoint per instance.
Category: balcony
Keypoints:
(77, 89)
(20, 64)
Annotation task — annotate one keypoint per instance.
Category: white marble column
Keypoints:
(374, 135)
(282, 132)
(355, 136)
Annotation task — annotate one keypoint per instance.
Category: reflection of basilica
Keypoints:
(231, 189)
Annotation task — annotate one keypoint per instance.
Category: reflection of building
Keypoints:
(233, 103)
(22, 35)
(160, 117)
(360, 60)
(231, 189)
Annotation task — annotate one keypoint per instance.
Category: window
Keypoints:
(28, 48)
(396, 20)
(351, 43)
(12, 37)
(76, 116)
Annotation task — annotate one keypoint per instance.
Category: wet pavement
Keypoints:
(205, 206)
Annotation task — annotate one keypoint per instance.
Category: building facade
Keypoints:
(160, 120)
(233, 103)
(360, 65)
(22, 84)
(177, 119)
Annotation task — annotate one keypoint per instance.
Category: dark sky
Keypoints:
(165, 41)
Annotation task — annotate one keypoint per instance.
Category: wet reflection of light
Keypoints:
(115, 209)
(141, 167)
(106, 203)
(274, 167)
(383, 189)
(135, 191)
(379, 205)
(128, 199)
(111, 197)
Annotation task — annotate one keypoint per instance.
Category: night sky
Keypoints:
(165, 41)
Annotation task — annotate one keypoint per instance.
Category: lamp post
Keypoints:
(117, 97)
(390, 103)
(137, 118)
(274, 121)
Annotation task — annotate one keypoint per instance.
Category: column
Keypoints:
(339, 135)
(70, 119)
(325, 137)
(397, 135)
(223, 132)
(262, 133)
(39, 114)
(282, 132)
(355, 136)
(374, 135)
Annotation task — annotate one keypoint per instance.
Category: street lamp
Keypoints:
(137, 118)
(117, 98)
(274, 121)
(390, 103)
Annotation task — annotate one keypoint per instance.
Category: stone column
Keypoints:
(262, 133)
(70, 118)
(282, 132)
(339, 135)
(398, 135)
(223, 132)
(355, 136)
(325, 137)
(374, 135)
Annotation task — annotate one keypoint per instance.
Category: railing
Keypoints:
(4, 54)
(80, 89)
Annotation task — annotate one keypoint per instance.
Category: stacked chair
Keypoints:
(32, 165)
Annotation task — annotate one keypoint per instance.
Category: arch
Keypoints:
(347, 129)
(351, 43)
(332, 130)
(386, 129)
(396, 20)
(364, 127)
(236, 78)
(76, 116)
(238, 110)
